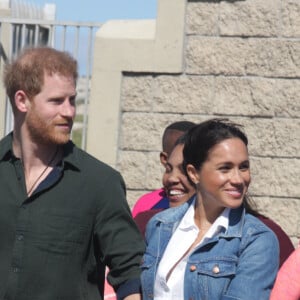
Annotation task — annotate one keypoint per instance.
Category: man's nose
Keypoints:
(68, 109)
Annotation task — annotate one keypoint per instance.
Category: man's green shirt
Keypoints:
(54, 245)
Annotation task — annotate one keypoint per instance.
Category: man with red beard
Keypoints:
(63, 214)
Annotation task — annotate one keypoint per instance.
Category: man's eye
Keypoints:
(56, 100)
(73, 100)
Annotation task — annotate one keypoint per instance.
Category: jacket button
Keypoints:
(193, 268)
(216, 269)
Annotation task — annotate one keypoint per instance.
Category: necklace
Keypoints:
(43, 172)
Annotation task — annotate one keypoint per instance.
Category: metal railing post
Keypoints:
(28, 32)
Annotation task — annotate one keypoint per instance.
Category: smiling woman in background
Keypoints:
(177, 187)
(210, 247)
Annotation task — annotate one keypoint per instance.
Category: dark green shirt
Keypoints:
(54, 245)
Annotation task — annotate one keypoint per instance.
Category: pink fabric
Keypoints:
(109, 293)
(147, 201)
(144, 203)
(287, 284)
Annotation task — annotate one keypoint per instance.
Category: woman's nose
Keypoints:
(173, 177)
(236, 177)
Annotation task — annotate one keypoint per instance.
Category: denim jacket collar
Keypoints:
(175, 215)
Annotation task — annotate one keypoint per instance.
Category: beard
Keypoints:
(46, 133)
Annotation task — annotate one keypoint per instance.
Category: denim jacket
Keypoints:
(240, 263)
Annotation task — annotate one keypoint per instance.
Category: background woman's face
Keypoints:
(176, 184)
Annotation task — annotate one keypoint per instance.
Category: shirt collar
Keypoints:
(70, 152)
(71, 155)
(221, 222)
(187, 221)
(6, 147)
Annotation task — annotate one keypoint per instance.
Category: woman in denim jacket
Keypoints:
(210, 248)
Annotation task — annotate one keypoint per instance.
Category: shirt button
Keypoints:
(193, 268)
(216, 269)
(20, 237)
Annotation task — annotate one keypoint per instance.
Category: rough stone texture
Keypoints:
(283, 211)
(133, 166)
(137, 93)
(154, 171)
(134, 195)
(243, 96)
(286, 98)
(273, 137)
(147, 173)
(267, 18)
(295, 240)
(143, 131)
(249, 18)
(216, 56)
(238, 57)
(183, 93)
(242, 61)
(147, 169)
(290, 18)
(275, 177)
(202, 18)
(273, 58)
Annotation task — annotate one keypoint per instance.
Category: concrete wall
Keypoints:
(235, 59)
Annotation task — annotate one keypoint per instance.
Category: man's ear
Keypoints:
(192, 173)
(163, 158)
(21, 101)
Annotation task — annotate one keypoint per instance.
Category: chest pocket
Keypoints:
(61, 234)
(216, 267)
(211, 277)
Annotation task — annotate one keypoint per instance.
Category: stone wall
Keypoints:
(241, 61)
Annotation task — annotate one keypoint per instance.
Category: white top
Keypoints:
(181, 240)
